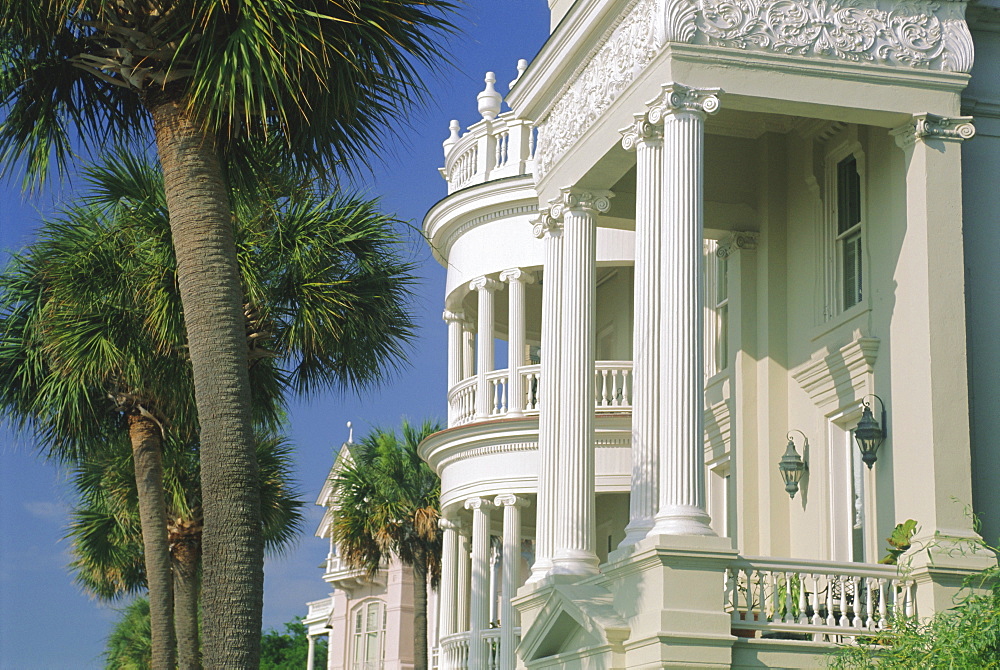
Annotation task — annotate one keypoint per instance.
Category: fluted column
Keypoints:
(462, 580)
(647, 141)
(682, 111)
(574, 551)
(518, 279)
(485, 287)
(468, 349)
(550, 231)
(479, 600)
(455, 329)
(449, 572)
(511, 579)
(311, 653)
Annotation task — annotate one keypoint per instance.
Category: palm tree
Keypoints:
(104, 527)
(206, 76)
(388, 505)
(92, 337)
(130, 643)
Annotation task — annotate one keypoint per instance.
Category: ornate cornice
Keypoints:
(484, 284)
(932, 126)
(572, 199)
(841, 378)
(642, 131)
(518, 275)
(678, 99)
(736, 241)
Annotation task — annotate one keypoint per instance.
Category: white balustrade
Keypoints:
(612, 391)
(613, 384)
(453, 652)
(817, 598)
(490, 149)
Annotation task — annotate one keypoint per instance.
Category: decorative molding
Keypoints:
(479, 502)
(491, 450)
(453, 317)
(924, 126)
(572, 199)
(612, 442)
(509, 500)
(625, 50)
(484, 219)
(518, 275)
(677, 99)
(841, 378)
(484, 284)
(736, 241)
(916, 33)
(546, 224)
(641, 130)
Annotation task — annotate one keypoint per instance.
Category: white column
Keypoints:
(574, 550)
(462, 581)
(468, 349)
(485, 288)
(647, 141)
(518, 279)
(550, 231)
(511, 579)
(479, 605)
(455, 331)
(681, 385)
(311, 654)
(449, 572)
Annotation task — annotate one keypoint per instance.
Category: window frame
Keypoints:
(360, 634)
(835, 240)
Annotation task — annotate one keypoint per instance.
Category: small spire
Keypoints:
(350, 433)
(489, 99)
(522, 65)
(454, 127)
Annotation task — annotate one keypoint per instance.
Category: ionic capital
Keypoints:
(678, 99)
(546, 224)
(641, 131)
(572, 199)
(448, 524)
(509, 500)
(484, 284)
(484, 504)
(932, 126)
(516, 275)
(735, 241)
(453, 317)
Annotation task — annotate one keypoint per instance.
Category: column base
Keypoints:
(682, 520)
(636, 531)
(578, 563)
(539, 571)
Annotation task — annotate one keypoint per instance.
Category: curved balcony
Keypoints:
(612, 393)
(454, 649)
(490, 150)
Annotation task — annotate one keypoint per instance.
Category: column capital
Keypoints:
(475, 503)
(641, 131)
(546, 224)
(931, 126)
(678, 99)
(484, 284)
(516, 275)
(449, 524)
(572, 199)
(736, 241)
(510, 500)
(453, 317)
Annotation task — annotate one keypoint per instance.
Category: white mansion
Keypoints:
(717, 236)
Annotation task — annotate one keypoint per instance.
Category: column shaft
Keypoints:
(682, 459)
(551, 232)
(647, 140)
(462, 582)
(449, 573)
(484, 345)
(455, 331)
(517, 279)
(311, 653)
(479, 605)
(511, 578)
(574, 552)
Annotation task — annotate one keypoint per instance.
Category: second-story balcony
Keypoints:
(612, 393)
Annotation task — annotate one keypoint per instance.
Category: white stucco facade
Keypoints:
(701, 229)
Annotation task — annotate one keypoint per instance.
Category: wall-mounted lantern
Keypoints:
(869, 433)
(791, 465)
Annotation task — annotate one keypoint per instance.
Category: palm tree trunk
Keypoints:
(186, 551)
(147, 457)
(209, 280)
(419, 611)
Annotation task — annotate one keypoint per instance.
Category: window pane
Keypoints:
(852, 270)
(848, 195)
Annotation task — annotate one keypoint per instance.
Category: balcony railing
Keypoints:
(319, 609)
(612, 392)
(454, 649)
(502, 147)
(815, 599)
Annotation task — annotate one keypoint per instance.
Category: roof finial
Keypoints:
(350, 433)
(522, 65)
(489, 99)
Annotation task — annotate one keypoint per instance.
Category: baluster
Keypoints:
(816, 619)
(498, 159)
(787, 604)
(802, 599)
(603, 393)
(731, 593)
(615, 398)
(830, 619)
(626, 388)
(762, 583)
(883, 606)
(856, 586)
(844, 621)
(503, 398)
(908, 599)
(869, 603)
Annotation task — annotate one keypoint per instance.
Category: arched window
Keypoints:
(369, 636)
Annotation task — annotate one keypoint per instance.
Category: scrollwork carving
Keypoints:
(545, 224)
(924, 126)
(571, 199)
(736, 241)
(641, 130)
(679, 99)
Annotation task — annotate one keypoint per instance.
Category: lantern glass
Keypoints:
(791, 467)
(869, 435)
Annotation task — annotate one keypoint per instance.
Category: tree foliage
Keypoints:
(130, 646)
(289, 650)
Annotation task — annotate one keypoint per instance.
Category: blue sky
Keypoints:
(45, 620)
